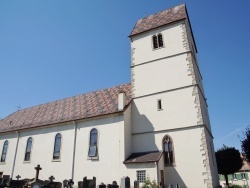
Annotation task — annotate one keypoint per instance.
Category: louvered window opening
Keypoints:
(158, 41)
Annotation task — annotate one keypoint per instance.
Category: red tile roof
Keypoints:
(159, 19)
(83, 106)
(143, 157)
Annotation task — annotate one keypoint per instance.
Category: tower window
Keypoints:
(159, 105)
(158, 41)
(168, 151)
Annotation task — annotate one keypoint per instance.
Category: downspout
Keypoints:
(14, 162)
(74, 151)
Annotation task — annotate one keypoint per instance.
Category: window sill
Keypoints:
(2, 163)
(93, 158)
(160, 109)
(170, 165)
(26, 161)
(56, 160)
(158, 48)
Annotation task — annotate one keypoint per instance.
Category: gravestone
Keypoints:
(5, 179)
(65, 184)
(52, 184)
(136, 184)
(36, 182)
(70, 183)
(102, 185)
(125, 182)
(87, 183)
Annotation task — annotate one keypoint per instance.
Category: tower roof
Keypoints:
(159, 19)
(83, 106)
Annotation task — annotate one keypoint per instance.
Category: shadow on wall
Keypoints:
(173, 178)
(142, 132)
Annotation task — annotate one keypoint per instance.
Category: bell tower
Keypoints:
(169, 99)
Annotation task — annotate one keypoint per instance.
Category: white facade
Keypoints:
(168, 99)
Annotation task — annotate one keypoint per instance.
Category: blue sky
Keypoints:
(53, 49)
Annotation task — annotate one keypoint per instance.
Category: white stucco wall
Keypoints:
(161, 75)
(188, 157)
(127, 133)
(6, 167)
(178, 110)
(42, 153)
(143, 49)
(110, 148)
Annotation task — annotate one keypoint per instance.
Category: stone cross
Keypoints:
(51, 178)
(38, 168)
(17, 177)
(71, 183)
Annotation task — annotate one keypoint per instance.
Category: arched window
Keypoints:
(93, 143)
(157, 41)
(28, 149)
(57, 146)
(168, 150)
(4, 151)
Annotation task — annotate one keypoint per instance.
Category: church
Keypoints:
(155, 127)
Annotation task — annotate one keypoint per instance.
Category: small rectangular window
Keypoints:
(243, 176)
(159, 105)
(141, 176)
(234, 177)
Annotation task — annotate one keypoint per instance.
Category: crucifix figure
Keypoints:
(17, 177)
(38, 168)
(51, 178)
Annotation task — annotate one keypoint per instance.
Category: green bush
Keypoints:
(235, 186)
(149, 184)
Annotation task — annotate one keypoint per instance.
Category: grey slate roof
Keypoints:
(143, 157)
(159, 19)
(83, 106)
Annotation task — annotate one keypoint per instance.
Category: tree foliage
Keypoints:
(245, 144)
(228, 160)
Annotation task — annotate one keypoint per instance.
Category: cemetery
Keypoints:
(8, 182)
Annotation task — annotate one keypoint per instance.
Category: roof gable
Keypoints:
(159, 19)
(83, 106)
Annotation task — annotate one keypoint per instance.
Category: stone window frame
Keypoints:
(170, 153)
(141, 176)
(96, 157)
(4, 152)
(60, 150)
(28, 140)
(156, 38)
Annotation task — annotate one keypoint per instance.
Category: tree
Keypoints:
(245, 144)
(228, 160)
